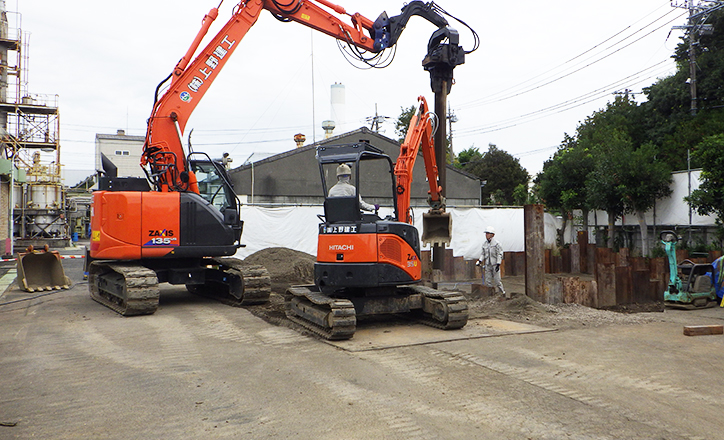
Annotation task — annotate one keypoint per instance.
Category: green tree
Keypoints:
(467, 157)
(521, 195)
(709, 197)
(667, 119)
(626, 176)
(604, 184)
(403, 122)
(562, 184)
(501, 172)
(645, 181)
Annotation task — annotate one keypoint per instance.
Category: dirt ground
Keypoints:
(289, 267)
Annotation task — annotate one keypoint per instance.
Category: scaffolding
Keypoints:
(30, 136)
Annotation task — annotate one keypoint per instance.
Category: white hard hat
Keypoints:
(490, 230)
(344, 170)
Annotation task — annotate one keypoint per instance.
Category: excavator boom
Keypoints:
(437, 224)
(164, 155)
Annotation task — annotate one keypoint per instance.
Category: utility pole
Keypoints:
(451, 117)
(692, 58)
(698, 15)
(376, 120)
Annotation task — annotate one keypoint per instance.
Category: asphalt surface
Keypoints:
(196, 369)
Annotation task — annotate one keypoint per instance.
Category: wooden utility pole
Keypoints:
(692, 59)
(698, 14)
(533, 230)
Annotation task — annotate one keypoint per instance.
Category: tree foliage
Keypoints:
(562, 184)
(709, 197)
(403, 121)
(608, 165)
(501, 172)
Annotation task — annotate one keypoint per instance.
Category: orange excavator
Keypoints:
(367, 265)
(182, 222)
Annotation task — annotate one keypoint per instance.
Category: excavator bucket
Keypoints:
(436, 228)
(41, 271)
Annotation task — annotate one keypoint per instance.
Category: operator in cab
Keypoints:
(345, 189)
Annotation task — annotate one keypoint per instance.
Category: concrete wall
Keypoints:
(294, 177)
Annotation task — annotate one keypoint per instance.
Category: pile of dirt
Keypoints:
(522, 308)
(286, 266)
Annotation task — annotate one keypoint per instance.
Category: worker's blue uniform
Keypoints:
(718, 276)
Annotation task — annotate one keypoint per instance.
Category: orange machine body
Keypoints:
(129, 225)
(370, 248)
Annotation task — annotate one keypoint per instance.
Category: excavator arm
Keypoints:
(164, 158)
(437, 224)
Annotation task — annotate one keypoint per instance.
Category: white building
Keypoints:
(123, 150)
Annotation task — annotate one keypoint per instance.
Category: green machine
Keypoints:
(690, 284)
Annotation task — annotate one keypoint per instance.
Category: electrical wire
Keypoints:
(635, 78)
(519, 90)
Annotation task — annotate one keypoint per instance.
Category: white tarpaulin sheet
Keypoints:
(296, 227)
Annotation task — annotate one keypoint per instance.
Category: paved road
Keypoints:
(70, 368)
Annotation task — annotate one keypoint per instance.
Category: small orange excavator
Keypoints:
(367, 265)
(182, 227)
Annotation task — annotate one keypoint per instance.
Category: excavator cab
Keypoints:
(366, 265)
(216, 188)
(358, 249)
(371, 170)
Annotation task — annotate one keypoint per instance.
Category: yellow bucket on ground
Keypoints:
(41, 271)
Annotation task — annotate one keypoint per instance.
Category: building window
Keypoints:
(122, 153)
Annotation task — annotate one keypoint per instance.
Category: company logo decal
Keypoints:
(163, 237)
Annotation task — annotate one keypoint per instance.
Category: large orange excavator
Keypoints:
(367, 265)
(183, 227)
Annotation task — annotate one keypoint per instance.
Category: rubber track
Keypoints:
(256, 283)
(141, 292)
(454, 303)
(340, 312)
(689, 306)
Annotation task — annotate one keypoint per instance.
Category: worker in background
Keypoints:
(345, 189)
(491, 258)
(718, 278)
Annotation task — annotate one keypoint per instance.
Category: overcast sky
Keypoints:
(542, 67)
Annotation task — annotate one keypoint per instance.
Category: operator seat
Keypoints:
(342, 210)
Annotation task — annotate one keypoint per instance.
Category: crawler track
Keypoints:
(242, 285)
(444, 310)
(331, 318)
(127, 289)
(336, 318)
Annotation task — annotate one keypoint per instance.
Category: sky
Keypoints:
(541, 69)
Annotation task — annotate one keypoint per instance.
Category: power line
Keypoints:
(586, 98)
(516, 91)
